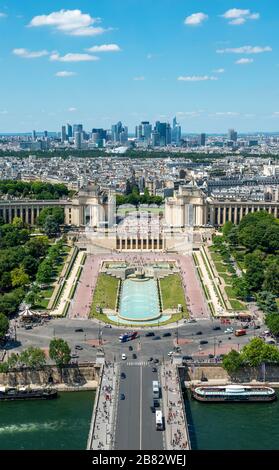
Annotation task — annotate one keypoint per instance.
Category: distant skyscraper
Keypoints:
(69, 131)
(176, 132)
(77, 128)
(119, 133)
(202, 139)
(63, 134)
(155, 136)
(78, 140)
(34, 135)
(45, 134)
(164, 130)
(232, 135)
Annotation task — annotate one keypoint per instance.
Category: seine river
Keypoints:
(233, 426)
(47, 424)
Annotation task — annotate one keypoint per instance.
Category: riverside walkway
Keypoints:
(176, 428)
(101, 436)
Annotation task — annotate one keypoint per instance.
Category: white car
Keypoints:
(170, 353)
(123, 357)
(228, 330)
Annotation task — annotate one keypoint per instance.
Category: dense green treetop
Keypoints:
(59, 352)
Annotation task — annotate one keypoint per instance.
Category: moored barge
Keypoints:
(233, 393)
(25, 393)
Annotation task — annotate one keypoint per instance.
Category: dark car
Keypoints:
(165, 335)
(211, 356)
(203, 341)
(245, 327)
(123, 375)
(156, 403)
(77, 346)
(187, 358)
(149, 333)
(156, 361)
(134, 356)
(154, 369)
(130, 348)
(79, 330)
(157, 337)
(215, 328)
(151, 359)
(199, 333)
(122, 396)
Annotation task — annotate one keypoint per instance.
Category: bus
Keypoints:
(159, 421)
(240, 332)
(128, 336)
(155, 389)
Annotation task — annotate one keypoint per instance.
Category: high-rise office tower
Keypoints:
(34, 135)
(69, 131)
(63, 134)
(77, 128)
(164, 130)
(155, 138)
(202, 140)
(232, 135)
(45, 134)
(78, 140)
(176, 132)
(146, 131)
(119, 133)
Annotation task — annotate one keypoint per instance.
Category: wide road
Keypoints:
(135, 426)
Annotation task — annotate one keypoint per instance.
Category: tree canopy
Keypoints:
(59, 352)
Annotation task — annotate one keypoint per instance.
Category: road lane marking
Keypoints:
(140, 408)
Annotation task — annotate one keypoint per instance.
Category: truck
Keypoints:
(240, 332)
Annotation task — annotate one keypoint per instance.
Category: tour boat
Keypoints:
(234, 393)
(25, 393)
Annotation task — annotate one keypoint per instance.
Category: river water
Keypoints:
(233, 426)
(57, 424)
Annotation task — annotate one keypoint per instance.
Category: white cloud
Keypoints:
(196, 78)
(72, 22)
(105, 48)
(26, 54)
(3, 15)
(3, 111)
(65, 73)
(71, 57)
(195, 19)
(245, 50)
(219, 71)
(139, 79)
(244, 61)
(72, 110)
(226, 113)
(238, 16)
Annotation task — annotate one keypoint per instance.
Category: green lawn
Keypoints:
(216, 257)
(105, 293)
(236, 305)
(230, 292)
(45, 294)
(172, 292)
(221, 268)
(227, 278)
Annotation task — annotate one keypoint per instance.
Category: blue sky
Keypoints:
(213, 63)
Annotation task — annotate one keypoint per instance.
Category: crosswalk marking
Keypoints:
(142, 363)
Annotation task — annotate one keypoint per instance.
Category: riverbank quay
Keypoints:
(215, 373)
(101, 434)
(71, 376)
(176, 427)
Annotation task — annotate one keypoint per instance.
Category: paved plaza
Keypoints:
(81, 303)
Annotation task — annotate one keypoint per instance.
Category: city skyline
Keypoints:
(207, 64)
